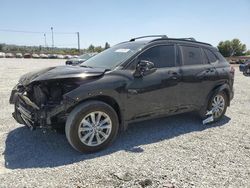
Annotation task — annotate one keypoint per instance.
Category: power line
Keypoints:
(44, 34)
(36, 32)
(19, 31)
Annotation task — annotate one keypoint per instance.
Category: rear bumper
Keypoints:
(232, 94)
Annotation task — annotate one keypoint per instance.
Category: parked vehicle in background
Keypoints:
(245, 68)
(9, 55)
(59, 56)
(27, 55)
(35, 56)
(80, 59)
(131, 81)
(68, 56)
(2, 54)
(52, 56)
(19, 55)
(43, 56)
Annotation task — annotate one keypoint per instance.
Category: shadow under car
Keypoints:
(26, 149)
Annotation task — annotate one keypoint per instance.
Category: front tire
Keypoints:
(91, 126)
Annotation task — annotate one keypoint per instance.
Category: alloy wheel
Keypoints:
(95, 128)
(218, 105)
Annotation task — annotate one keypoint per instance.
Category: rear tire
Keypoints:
(219, 103)
(91, 126)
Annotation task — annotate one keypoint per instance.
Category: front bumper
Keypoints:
(28, 113)
(14, 95)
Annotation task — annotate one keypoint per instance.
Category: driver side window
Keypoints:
(162, 56)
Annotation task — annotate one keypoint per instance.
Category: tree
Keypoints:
(1, 47)
(91, 48)
(107, 45)
(247, 52)
(225, 48)
(237, 47)
(231, 48)
(98, 49)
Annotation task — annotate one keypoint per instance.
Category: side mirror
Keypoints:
(144, 68)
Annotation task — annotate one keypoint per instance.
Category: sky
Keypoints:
(115, 21)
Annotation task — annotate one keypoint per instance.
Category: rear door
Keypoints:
(198, 76)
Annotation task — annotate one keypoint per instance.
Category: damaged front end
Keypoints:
(40, 97)
(42, 104)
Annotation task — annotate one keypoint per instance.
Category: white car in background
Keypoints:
(35, 56)
(59, 56)
(19, 55)
(2, 54)
(9, 55)
(68, 56)
(43, 56)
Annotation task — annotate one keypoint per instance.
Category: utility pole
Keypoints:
(52, 34)
(45, 40)
(78, 40)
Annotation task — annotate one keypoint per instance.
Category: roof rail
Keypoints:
(182, 39)
(190, 38)
(161, 36)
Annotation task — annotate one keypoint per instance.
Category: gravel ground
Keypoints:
(176, 151)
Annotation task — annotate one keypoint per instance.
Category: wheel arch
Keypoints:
(224, 88)
(108, 100)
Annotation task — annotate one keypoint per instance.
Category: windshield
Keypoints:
(113, 56)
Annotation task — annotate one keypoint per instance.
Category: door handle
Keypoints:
(174, 75)
(210, 70)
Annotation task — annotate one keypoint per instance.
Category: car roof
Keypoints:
(186, 41)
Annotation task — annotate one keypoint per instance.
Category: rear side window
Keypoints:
(191, 55)
(161, 56)
(221, 58)
(210, 55)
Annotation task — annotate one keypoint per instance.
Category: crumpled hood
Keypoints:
(60, 72)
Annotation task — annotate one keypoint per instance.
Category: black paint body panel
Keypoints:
(165, 91)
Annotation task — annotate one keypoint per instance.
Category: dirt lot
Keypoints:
(176, 151)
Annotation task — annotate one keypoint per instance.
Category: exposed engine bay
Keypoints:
(46, 94)
(41, 104)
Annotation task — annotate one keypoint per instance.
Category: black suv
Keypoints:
(132, 81)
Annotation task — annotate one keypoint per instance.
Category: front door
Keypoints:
(156, 93)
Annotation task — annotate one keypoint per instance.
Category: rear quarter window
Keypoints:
(221, 58)
(211, 56)
(191, 55)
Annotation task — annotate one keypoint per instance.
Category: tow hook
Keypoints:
(210, 117)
